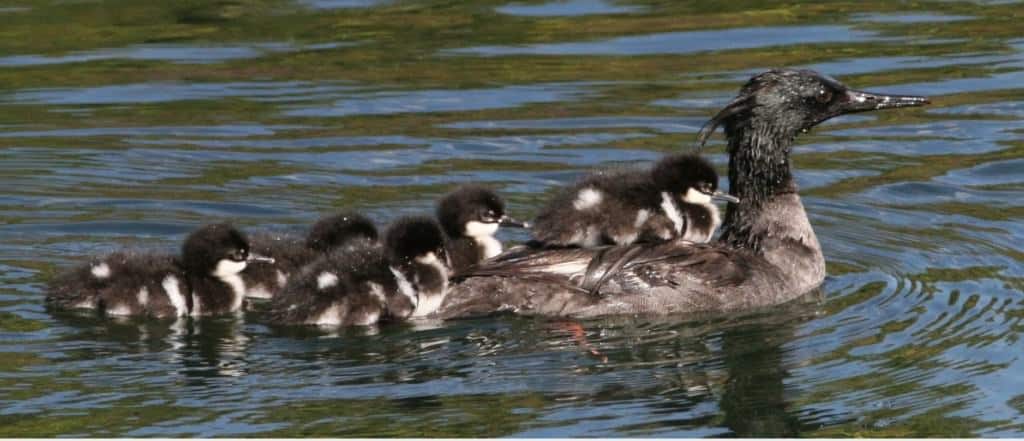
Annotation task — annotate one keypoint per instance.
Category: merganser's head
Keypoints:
(792, 101)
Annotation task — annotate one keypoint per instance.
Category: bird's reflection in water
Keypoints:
(726, 371)
(211, 347)
(194, 348)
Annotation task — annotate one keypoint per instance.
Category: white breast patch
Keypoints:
(478, 229)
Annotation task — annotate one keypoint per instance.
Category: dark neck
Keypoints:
(424, 278)
(759, 171)
(213, 295)
(464, 252)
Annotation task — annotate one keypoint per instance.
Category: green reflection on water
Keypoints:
(398, 46)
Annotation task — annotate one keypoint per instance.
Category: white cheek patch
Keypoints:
(672, 212)
(587, 198)
(101, 271)
(431, 259)
(170, 285)
(326, 280)
(476, 229)
(227, 268)
(427, 259)
(692, 196)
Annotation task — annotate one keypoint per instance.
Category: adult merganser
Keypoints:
(767, 253)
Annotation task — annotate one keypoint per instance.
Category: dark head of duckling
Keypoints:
(472, 210)
(340, 230)
(414, 239)
(212, 257)
(761, 123)
(219, 247)
(678, 174)
(415, 248)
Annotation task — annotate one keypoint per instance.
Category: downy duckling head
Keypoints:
(340, 230)
(219, 250)
(416, 239)
(473, 211)
(791, 101)
(415, 249)
(691, 177)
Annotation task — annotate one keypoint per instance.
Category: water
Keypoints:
(145, 120)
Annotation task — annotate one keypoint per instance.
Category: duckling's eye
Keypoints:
(490, 215)
(238, 255)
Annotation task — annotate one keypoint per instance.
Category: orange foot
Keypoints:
(579, 335)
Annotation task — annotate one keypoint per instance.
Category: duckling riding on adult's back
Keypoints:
(767, 253)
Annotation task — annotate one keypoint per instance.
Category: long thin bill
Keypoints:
(859, 101)
(509, 222)
(259, 258)
(725, 197)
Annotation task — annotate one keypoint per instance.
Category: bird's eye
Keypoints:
(824, 96)
(239, 255)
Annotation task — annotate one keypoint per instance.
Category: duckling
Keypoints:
(341, 230)
(471, 216)
(670, 201)
(204, 281)
(406, 277)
